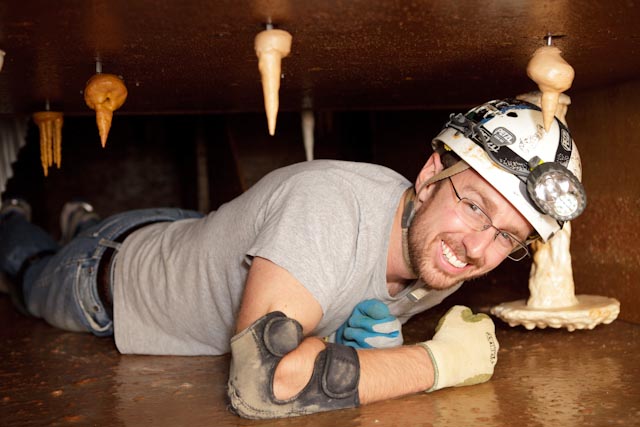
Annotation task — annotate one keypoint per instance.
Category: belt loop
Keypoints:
(110, 244)
(112, 275)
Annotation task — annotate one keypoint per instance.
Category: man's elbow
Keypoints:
(256, 354)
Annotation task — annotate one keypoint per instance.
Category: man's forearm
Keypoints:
(384, 373)
(393, 372)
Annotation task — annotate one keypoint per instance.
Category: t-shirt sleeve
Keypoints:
(309, 227)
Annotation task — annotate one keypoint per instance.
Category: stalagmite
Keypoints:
(553, 75)
(1, 59)
(105, 93)
(271, 46)
(551, 278)
(50, 125)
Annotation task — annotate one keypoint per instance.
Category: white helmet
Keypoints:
(538, 171)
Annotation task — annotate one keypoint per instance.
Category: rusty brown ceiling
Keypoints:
(197, 55)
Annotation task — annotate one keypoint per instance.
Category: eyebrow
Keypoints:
(488, 204)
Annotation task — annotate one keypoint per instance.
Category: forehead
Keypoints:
(472, 186)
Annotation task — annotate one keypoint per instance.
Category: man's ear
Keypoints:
(431, 168)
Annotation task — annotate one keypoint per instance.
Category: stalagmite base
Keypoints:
(590, 311)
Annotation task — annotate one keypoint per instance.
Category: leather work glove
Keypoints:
(464, 349)
(370, 326)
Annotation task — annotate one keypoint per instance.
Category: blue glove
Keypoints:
(370, 326)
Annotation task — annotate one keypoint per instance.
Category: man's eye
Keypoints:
(473, 207)
(506, 238)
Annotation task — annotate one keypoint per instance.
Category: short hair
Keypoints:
(448, 158)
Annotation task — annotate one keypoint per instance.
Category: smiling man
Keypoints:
(271, 273)
(442, 249)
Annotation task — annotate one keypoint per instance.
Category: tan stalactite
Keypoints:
(271, 46)
(105, 93)
(553, 75)
(50, 125)
(561, 110)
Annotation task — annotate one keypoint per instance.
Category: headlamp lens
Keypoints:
(556, 191)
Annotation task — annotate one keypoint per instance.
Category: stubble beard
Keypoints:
(425, 268)
(421, 250)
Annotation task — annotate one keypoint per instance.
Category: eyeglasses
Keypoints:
(471, 214)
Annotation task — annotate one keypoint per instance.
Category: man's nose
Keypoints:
(476, 243)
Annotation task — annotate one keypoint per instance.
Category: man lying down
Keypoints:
(317, 249)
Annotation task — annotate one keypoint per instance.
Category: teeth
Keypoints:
(450, 256)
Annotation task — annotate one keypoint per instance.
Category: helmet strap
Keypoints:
(458, 167)
(408, 212)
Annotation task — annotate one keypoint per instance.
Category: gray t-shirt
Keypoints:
(178, 285)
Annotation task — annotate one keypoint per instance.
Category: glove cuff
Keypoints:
(436, 370)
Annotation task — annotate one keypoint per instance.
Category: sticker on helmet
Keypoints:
(530, 143)
(502, 136)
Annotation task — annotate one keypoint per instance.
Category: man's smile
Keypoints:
(450, 256)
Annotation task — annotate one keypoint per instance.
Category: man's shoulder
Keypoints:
(332, 183)
(337, 172)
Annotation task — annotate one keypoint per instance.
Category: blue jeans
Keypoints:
(61, 287)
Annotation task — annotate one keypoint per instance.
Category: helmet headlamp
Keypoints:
(556, 191)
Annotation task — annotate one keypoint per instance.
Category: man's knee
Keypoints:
(256, 353)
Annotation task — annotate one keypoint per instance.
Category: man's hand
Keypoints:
(370, 326)
(464, 349)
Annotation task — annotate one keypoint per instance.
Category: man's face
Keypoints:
(443, 249)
